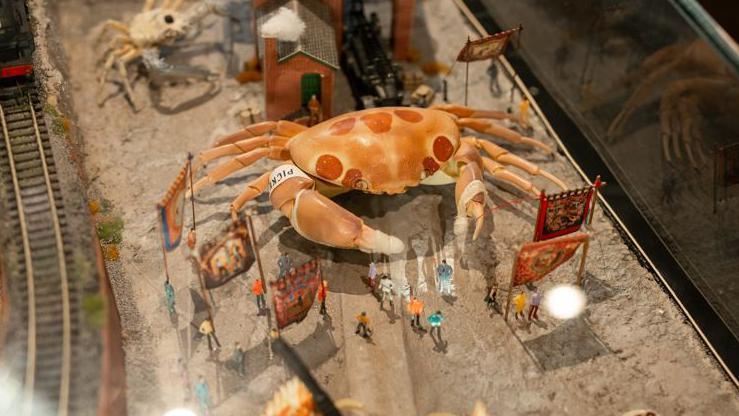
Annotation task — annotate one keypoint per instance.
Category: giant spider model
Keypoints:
(148, 31)
(380, 150)
(693, 80)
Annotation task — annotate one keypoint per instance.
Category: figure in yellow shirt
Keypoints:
(519, 303)
(363, 325)
(523, 113)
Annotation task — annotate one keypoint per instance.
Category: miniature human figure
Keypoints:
(519, 302)
(363, 325)
(169, 294)
(184, 377)
(236, 362)
(493, 73)
(372, 275)
(321, 297)
(285, 263)
(206, 328)
(386, 291)
(492, 294)
(444, 276)
(523, 112)
(534, 305)
(257, 288)
(415, 307)
(435, 320)
(202, 392)
(314, 108)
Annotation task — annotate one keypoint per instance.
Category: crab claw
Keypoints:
(471, 204)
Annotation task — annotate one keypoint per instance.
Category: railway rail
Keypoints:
(45, 309)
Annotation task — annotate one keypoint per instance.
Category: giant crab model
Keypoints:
(148, 31)
(381, 150)
(705, 84)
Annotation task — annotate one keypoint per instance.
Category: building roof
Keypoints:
(319, 39)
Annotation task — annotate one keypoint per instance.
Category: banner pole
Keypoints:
(466, 72)
(510, 288)
(192, 193)
(580, 271)
(596, 186)
(253, 242)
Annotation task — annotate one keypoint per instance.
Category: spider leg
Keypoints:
(123, 72)
(489, 127)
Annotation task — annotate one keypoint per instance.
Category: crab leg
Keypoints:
(501, 173)
(322, 221)
(122, 62)
(238, 163)
(281, 128)
(469, 191)
(253, 190)
(488, 127)
(505, 157)
(468, 112)
(148, 5)
(239, 147)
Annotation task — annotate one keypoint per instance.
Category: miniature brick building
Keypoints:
(294, 71)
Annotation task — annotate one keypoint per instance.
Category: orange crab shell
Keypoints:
(380, 150)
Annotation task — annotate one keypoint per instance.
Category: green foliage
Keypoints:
(57, 121)
(105, 206)
(110, 230)
(94, 308)
(81, 268)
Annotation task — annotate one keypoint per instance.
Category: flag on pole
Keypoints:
(227, 256)
(536, 260)
(486, 48)
(562, 213)
(172, 211)
(293, 294)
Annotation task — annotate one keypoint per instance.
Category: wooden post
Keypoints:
(596, 185)
(510, 288)
(253, 242)
(581, 270)
(541, 216)
(466, 72)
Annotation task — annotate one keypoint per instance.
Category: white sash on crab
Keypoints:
(282, 173)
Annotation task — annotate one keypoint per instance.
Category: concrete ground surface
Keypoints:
(632, 348)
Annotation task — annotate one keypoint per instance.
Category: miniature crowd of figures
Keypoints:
(383, 288)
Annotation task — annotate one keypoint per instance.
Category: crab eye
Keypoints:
(169, 19)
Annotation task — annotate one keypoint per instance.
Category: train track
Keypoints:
(44, 308)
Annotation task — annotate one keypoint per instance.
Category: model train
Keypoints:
(16, 40)
(374, 78)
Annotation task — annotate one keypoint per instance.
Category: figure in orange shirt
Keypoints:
(321, 297)
(257, 288)
(415, 307)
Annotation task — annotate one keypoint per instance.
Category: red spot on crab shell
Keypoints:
(352, 178)
(342, 126)
(443, 148)
(378, 122)
(329, 167)
(409, 115)
(430, 166)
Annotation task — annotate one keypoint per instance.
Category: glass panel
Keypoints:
(656, 100)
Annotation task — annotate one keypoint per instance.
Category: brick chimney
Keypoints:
(270, 71)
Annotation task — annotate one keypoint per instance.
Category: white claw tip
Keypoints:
(460, 225)
(388, 244)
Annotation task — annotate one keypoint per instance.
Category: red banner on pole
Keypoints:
(536, 260)
(486, 48)
(293, 294)
(562, 213)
